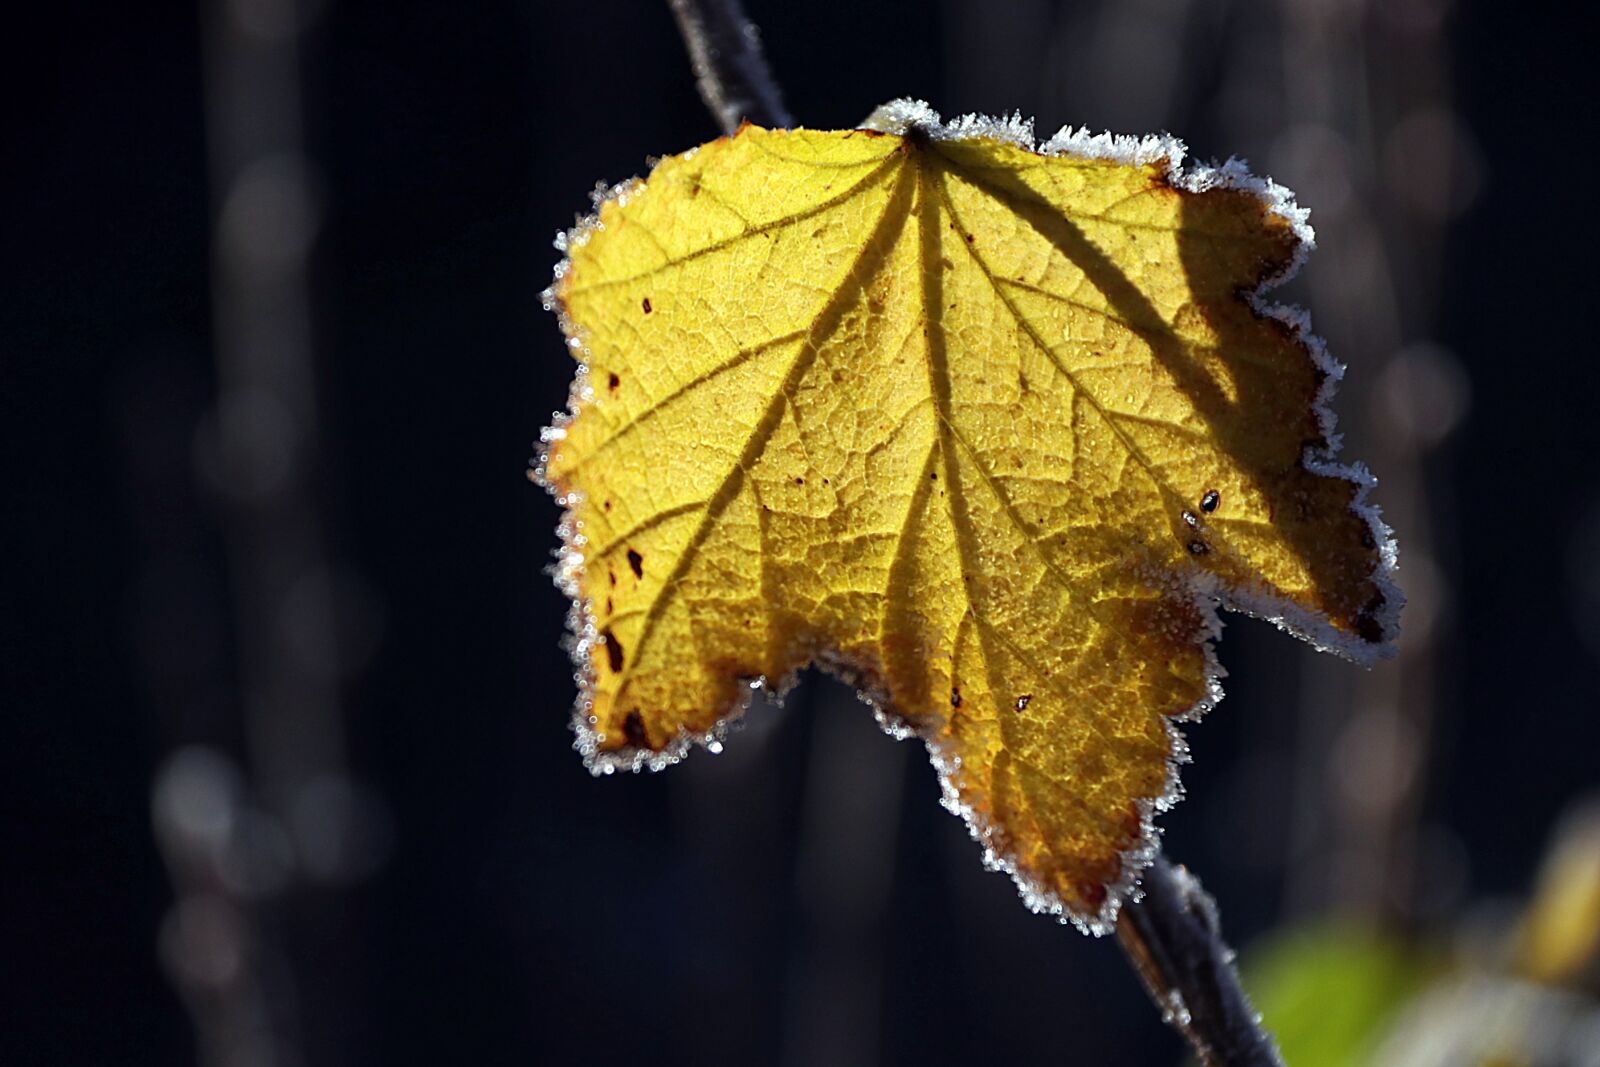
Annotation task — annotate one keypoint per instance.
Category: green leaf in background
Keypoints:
(1328, 992)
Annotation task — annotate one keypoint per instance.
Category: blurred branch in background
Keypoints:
(845, 877)
(256, 808)
(1369, 133)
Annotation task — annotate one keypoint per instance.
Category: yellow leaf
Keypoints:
(986, 430)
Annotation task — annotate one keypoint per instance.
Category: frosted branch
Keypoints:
(1174, 938)
(729, 67)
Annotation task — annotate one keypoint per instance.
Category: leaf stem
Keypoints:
(1173, 937)
(729, 67)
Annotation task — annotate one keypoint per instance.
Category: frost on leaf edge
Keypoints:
(898, 117)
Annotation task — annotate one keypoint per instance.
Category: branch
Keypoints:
(731, 72)
(1173, 937)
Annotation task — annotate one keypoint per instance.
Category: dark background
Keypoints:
(519, 910)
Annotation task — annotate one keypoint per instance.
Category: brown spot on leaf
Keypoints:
(613, 381)
(1366, 620)
(613, 651)
(955, 697)
(633, 729)
(1023, 701)
(636, 561)
(647, 307)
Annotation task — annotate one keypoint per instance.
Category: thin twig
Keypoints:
(1172, 934)
(1174, 939)
(732, 74)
